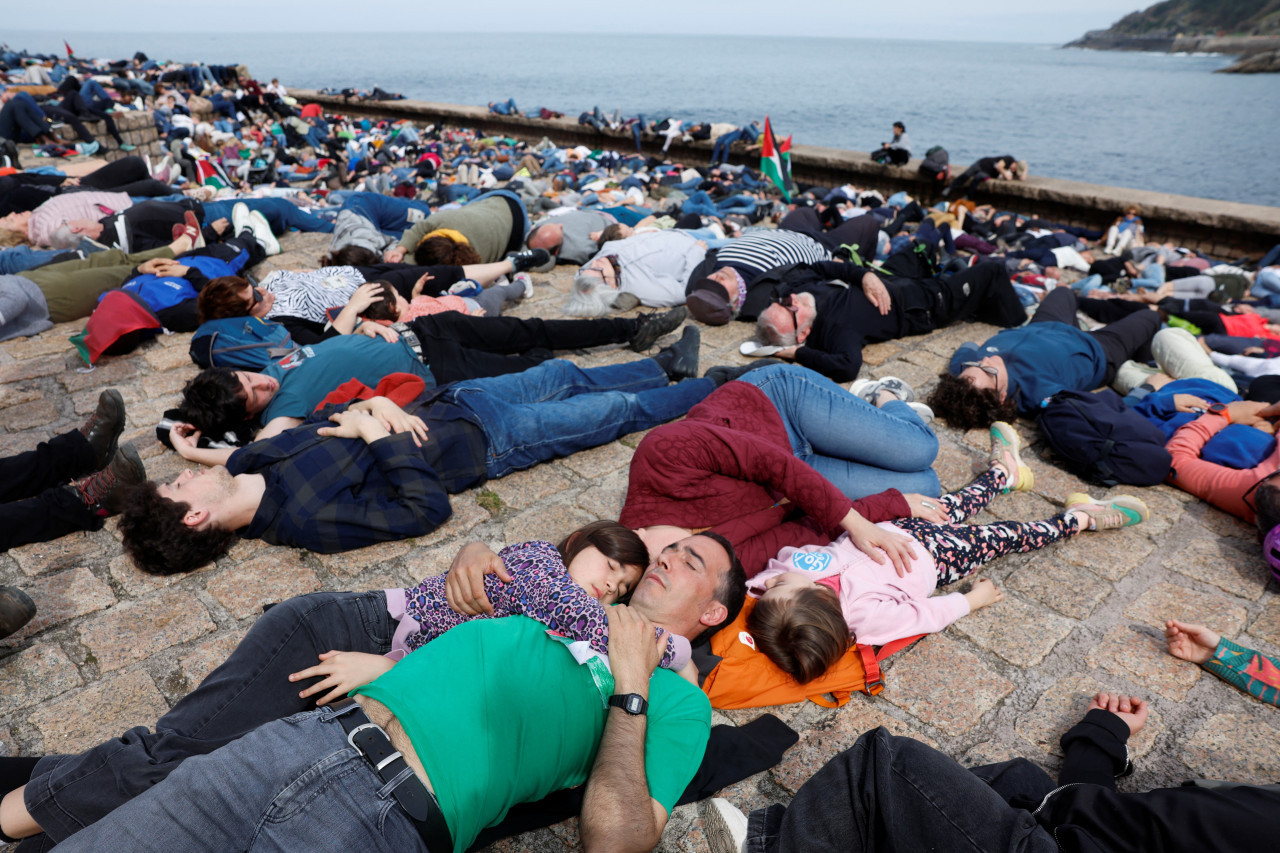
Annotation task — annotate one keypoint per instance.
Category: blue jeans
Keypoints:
(1267, 283)
(293, 784)
(389, 214)
(558, 408)
(1088, 284)
(1271, 257)
(860, 449)
(249, 689)
(95, 95)
(20, 258)
(503, 108)
(281, 214)
(720, 149)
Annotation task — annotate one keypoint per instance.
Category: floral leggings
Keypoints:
(958, 549)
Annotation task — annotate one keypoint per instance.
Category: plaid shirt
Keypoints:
(337, 494)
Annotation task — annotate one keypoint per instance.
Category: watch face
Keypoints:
(633, 704)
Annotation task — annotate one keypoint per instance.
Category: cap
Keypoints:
(708, 302)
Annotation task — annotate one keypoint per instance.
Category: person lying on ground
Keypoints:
(1004, 167)
(782, 429)
(1018, 369)
(821, 315)
(557, 724)
(816, 600)
(894, 793)
(386, 477)
(340, 641)
(650, 268)
(1245, 669)
(567, 236)
(439, 348)
(1251, 494)
(487, 229)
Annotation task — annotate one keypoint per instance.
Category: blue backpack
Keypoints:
(245, 343)
(1104, 441)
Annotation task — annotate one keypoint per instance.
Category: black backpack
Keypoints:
(936, 165)
(1104, 441)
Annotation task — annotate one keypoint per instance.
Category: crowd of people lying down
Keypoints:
(789, 497)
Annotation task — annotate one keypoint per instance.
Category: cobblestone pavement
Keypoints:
(113, 648)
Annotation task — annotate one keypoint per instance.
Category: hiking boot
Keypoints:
(1110, 514)
(725, 826)
(1006, 449)
(680, 360)
(869, 389)
(16, 610)
(727, 373)
(529, 259)
(104, 427)
(653, 326)
(99, 491)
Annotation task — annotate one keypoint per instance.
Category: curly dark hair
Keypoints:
(732, 591)
(441, 251)
(155, 536)
(966, 407)
(214, 402)
(350, 256)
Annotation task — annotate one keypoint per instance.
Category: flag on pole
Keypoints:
(70, 54)
(775, 163)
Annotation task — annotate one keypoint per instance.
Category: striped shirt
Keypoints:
(87, 204)
(308, 294)
(764, 250)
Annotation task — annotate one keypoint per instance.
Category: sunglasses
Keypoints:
(985, 368)
(257, 296)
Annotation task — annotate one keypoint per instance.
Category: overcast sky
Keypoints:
(966, 20)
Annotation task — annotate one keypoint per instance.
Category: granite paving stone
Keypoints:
(80, 719)
(1142, 657)
(1235, 748)
(1059, 585)
(354, 563)
(944, 685)
(139, 629)
(206, 655)
(34, 675)
(1018, 632)
(1110, 555)
(263, 580)
(523, 489)
(1063, 704)
(598, 461)
(1266, 626)
(1169, 601)
(61, 597)
(1240, 573)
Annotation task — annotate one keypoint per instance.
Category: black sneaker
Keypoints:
(727, 373)
(104, 427)
(654, 326)
(680, 360)
(99, 490)
(529, 259)
(16, 610)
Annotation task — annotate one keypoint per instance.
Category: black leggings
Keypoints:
(126, 175)
(75, 104)
(1126, 338)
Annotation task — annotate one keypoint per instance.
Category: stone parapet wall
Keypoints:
(137, 127)
(1227, 230)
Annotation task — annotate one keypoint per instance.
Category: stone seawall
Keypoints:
(1224, 229)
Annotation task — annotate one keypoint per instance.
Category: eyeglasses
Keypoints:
(985, 368)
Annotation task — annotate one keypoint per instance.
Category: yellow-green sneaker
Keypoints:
(1109, 514)
(1006, 447)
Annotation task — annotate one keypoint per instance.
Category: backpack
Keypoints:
(936, 165)
(745, 678)
(247, 343)
(121, 322)
(1104, 441)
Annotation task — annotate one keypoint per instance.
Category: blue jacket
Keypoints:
(1237, 446)
(1042, 359)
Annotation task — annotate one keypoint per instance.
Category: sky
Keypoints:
(1046, 21)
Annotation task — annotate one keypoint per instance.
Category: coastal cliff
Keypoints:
(1247, 28)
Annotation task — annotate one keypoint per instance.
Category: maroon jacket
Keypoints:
(729, 467)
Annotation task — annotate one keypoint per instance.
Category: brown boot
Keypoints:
(16, 610)
(99, 490)
(104, 427)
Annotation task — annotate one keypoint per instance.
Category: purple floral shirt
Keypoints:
(540, 588)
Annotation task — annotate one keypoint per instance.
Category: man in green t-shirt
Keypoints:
(493, 713)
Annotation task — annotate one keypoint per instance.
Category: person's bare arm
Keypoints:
(185, 438)
(275, 426)
(613, 815)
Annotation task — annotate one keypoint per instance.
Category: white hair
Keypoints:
(590, 296)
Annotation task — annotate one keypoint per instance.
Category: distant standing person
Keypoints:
(1004, 167)
(898, 151)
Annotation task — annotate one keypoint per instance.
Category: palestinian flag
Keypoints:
(70, 54)
(775, 162)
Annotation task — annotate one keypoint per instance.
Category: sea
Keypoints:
(1153, 121)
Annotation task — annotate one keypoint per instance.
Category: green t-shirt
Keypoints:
(308, 374)
(499, 714)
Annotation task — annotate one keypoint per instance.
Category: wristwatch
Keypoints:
(633, 703)
(1220, 409)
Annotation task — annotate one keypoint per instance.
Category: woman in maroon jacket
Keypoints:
(784, 456)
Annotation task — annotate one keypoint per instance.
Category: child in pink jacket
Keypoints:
(815, 600)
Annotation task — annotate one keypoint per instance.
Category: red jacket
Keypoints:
(729, 467)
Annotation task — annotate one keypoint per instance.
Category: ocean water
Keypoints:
(1147, 120)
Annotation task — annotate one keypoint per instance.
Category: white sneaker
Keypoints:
(262, 231)
(527, 281)
(240, 219)
(725, 826)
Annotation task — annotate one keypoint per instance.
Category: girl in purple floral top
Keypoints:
(565, 588)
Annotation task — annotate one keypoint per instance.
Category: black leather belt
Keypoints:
(411, 793)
